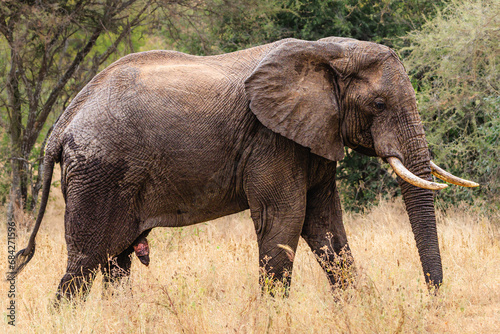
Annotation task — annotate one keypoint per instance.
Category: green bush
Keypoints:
(218, 26)
(454, 64)
(381, 21)
(363, 180)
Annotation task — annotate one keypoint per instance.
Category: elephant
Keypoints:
(166, 139)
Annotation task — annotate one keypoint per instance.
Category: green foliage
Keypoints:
(219, 26)
(454, 63)
(243, 23)
(363, 181)
(378, 21)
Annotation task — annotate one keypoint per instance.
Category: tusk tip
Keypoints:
(448, 177)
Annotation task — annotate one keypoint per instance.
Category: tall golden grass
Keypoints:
(204, 279)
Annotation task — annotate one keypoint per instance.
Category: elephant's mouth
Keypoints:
(366, 151)
(357, 147)
(411, 178)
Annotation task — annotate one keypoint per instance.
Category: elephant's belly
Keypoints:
(194, 215)
(185, 197)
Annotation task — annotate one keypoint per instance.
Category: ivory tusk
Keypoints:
(448, 177)
(409, 177)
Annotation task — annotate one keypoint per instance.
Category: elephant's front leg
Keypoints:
(276, 193)
(278, 232)
(324, 232)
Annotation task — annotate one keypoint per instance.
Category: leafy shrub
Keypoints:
(380, 21)
(363, 181)
(454, 64)
(218, 26)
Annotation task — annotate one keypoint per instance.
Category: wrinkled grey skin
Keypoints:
(162, 138)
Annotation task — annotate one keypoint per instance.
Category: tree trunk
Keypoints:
(17, 197)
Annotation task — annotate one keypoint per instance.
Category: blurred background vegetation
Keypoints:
(51, 49)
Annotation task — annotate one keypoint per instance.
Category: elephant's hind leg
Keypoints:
(100, 218)
(324, 232)
(92, 234)
(79, 277)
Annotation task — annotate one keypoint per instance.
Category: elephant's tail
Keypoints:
(24, 256)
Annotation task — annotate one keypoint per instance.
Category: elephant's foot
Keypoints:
(74, 286)
(141, 249)
(339, 268)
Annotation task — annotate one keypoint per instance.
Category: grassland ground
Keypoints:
(204, 279)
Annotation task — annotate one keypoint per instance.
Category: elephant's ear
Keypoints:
(293, 92)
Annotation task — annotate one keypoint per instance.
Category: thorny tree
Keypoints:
(50, 54)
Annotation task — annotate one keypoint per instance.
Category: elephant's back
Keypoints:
(156, 71)
(148, 96)
(118, 76)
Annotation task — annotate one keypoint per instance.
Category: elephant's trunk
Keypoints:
(420, 207)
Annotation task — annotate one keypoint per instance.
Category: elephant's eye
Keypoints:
(380, 105)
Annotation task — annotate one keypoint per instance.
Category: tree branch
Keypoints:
(47, 107)
(126, 30)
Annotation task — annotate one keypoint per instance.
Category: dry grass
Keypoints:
(203, 279)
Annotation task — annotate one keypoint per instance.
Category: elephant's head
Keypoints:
(342, 92)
